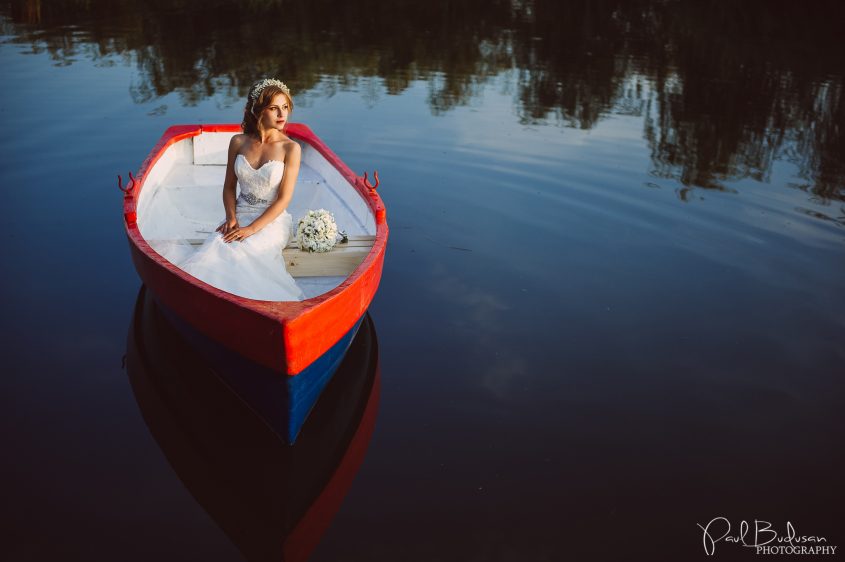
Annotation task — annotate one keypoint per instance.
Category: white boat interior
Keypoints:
(181, 204)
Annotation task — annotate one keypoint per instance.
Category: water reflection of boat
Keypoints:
(273, 500)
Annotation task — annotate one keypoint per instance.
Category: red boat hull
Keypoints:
(283, 336)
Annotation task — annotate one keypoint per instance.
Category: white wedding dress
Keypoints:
(255, 267)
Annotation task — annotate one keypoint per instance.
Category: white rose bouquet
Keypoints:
(317, 231)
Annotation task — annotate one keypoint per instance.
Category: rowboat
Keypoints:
(273, 500)
(176, 196)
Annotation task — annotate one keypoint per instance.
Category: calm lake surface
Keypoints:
(613, 303)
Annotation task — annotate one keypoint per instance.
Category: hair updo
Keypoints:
(256, 103)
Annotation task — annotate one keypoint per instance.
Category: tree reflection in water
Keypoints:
(725, 89)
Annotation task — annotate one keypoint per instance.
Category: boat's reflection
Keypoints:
(273, 500)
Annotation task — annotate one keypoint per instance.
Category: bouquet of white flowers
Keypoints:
(317, 231)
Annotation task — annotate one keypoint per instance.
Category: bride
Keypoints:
(244, 255)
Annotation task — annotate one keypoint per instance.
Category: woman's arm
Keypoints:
(293, 154)
(229, 188)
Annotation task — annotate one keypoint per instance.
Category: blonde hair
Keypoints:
(260, 96)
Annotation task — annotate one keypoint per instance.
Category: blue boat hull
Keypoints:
(282, 401)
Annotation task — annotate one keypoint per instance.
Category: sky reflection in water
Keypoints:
(724, 90)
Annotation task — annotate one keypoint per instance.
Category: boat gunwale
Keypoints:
(351, 297)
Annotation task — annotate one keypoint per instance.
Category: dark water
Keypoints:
(612, 306)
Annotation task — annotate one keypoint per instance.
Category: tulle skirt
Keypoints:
(253, 268)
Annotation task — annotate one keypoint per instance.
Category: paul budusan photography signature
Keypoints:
(764, 539)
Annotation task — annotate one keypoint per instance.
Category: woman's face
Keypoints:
(275, 115)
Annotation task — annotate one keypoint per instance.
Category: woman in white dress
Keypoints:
(244, 255)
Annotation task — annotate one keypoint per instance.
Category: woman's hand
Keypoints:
(239, 234)
(227, 226)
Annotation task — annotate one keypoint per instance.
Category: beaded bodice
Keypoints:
(259, 187)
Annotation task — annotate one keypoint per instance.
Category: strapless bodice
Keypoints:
(258, 187)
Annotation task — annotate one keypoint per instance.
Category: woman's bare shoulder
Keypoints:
(238, 140)
(290, 146)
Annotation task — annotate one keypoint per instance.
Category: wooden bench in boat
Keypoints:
(340, 261)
